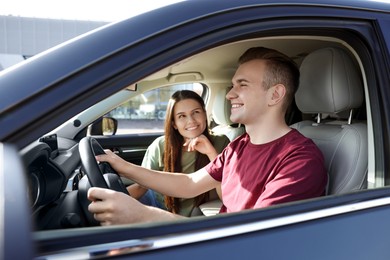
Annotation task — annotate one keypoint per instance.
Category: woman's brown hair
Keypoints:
(174, 145)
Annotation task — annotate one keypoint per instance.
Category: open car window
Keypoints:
(145, 113)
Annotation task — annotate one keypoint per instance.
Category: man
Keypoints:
(268, 165)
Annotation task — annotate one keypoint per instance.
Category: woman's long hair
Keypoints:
(174, 146)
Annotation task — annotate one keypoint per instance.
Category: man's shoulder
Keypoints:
(303, 144)
(240, 141)
(298, 137)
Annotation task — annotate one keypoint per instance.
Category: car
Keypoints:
(62, 106)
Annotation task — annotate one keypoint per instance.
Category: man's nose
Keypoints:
(230, 93)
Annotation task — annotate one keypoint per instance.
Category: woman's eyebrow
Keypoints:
(182, 112)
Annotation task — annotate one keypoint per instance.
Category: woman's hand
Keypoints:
(202, 145)
(116, 162)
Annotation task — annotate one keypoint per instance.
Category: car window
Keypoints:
(145, 113)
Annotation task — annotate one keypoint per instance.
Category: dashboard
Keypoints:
(53, 174)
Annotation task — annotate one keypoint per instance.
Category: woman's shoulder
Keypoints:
(160, 139)
(219, 138)
(158, 142)
(220, 142)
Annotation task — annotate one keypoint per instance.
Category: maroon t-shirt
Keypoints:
(252, 176)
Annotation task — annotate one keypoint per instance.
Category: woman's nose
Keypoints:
(191, 118)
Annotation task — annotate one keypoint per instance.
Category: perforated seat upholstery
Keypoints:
(330, 84)
(221, 115)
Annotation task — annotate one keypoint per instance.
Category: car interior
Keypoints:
(329, 95)
(331, 107)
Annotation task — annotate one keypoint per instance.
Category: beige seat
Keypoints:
(331, 86)
(221, 116)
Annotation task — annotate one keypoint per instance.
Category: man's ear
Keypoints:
(277, 94)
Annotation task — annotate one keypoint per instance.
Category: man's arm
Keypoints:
(177, 185)
(171, 184)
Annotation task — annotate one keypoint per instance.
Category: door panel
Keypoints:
(14, 206)
(131, 147)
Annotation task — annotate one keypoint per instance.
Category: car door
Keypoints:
(16, 229)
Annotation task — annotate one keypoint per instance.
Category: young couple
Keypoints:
(269, 164)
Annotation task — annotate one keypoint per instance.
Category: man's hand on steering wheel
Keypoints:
(100, 175)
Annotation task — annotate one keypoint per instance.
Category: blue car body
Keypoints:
(54, 86)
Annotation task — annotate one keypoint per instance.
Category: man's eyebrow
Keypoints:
(241, 81)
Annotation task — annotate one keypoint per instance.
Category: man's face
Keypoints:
(248, 96)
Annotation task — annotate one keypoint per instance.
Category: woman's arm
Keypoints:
(172, 184)
(136, 191)
(152, 160)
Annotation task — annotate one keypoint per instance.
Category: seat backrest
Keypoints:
(331, 85)
(221, 116)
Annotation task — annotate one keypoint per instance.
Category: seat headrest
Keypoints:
(330, 82)
(221, 108)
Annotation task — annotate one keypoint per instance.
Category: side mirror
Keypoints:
(103, 126)
(109, 126)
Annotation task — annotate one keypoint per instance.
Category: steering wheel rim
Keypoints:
(89, 148)
(96, 177)
(103, 176)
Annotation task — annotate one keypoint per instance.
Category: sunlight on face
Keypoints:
(248, 97)
(189, 118)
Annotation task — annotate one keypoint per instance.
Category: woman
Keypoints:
(186, 147)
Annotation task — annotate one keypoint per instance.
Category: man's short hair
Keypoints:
(280, 69)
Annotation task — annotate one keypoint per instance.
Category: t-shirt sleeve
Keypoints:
(215, 167)
(301, 176)
(154, 155)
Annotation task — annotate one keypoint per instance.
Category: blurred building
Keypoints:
(22, 37)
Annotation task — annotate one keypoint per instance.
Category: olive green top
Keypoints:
(154, 157)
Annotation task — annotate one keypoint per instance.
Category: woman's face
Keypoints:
(189, 118)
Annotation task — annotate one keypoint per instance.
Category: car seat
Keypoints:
(221, 117)
(331, 87)
(223, 126)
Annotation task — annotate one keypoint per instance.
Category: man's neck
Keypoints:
(265, 133)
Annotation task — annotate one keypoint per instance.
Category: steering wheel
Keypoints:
(103, 176)
(98, 175)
